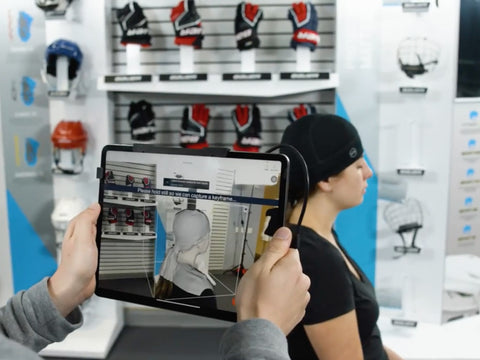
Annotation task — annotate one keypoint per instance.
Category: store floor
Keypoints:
(164, 343)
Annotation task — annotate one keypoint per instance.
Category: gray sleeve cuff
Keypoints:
(31, 318)
(39, 297)
(257, 339)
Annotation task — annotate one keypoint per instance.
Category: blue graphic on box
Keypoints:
(24, 25)
(470, 172)
(28, 90)
(31, 151)
(472, 143)
(467, 229)
(468, 201)
(473, 115)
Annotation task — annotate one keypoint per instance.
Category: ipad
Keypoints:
(179, 227)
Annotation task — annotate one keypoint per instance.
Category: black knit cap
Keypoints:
(328, 143)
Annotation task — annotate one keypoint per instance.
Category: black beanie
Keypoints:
(328, 143)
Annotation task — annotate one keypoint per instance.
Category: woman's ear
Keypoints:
(325, 185)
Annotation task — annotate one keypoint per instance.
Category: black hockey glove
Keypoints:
(246, 23)
(193, 134)
(134, 25)
(248, 127)
(300, 111)
(305, 22)
(141, 120)
(187, 24)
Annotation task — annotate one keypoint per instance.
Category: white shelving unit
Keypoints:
(215, 85)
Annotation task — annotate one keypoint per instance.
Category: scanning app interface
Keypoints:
(183, 228)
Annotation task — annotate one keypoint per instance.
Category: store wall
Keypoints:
(26, 145)
(6, 284)
(416, 112)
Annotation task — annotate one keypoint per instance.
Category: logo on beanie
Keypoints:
(353, 152)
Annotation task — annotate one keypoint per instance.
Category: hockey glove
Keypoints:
(147, 184)
(300, 111)
(246, 22)
(129, 217)
(129, 180)
(187, 24)
(248, 127)
(112, 216)
(147, 217)
(109, 177)
(134, 25)
(193, 133)
(305, 22)
(141, 120)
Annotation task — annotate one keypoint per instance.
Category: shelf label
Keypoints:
(413, 90)
(58, 94)
(246, 76)
(403, 322)
(304, 76)
(415, 6)
(183, 77)
(411, 172)
(127, 78)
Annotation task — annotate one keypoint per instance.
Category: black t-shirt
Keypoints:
(334, 291)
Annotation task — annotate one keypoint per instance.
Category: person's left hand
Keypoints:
(74, 280)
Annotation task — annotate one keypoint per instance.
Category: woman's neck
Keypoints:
(319, 216)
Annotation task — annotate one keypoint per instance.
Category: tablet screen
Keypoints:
(178, 230)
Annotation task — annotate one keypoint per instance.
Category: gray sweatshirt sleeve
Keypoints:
(30, 318)
(255, 339)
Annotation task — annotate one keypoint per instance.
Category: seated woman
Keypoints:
(340, 320)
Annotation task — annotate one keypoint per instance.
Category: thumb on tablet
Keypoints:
(278, 247)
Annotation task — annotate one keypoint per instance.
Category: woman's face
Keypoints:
(350, 185)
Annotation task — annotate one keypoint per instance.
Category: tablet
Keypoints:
(179, 227)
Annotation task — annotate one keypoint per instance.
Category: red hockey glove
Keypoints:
(246, 22)
(187, 24)
(193, 134)
(248, 127)
(300, 111)
(305, 22)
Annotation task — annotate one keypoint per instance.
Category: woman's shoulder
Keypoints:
(313, 245)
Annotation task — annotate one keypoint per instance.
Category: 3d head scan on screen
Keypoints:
(180, 226)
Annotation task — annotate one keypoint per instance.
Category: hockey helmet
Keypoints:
(66, 48)
(69, 136)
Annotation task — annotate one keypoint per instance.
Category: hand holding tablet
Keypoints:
(207, 214)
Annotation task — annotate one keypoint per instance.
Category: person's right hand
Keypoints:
(275, 288)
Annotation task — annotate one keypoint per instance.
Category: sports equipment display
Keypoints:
(247, 19)
(304, 20)
(141, 119)
(417, 56)
(69, 140)
(248, 127)
(300, 111)
(69, 49)
(403, 218)
(193, 133)
(187, 24)
(134, 25)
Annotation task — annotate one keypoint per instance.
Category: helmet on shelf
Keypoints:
(69, 136)
(65, 48)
